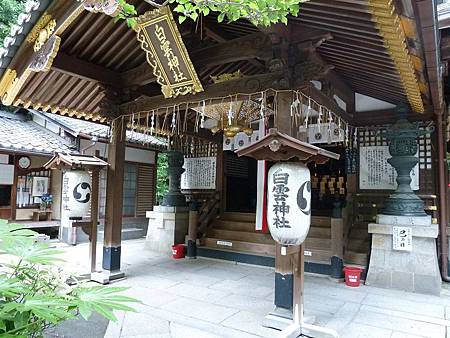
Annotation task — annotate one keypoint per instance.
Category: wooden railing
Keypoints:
(208, 212)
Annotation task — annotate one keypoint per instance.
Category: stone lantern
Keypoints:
(174, 197)
(403, 252)
(402, 139)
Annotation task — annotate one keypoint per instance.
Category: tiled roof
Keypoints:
(18, 134)
(82, 127)
(25, 22)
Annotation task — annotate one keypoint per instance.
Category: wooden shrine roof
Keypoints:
(276, 146)
(100, 65)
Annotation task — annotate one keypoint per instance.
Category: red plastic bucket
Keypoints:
(352, 276)
(178, 251)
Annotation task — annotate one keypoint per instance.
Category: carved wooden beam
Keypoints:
(245, 85)
(39, 49)
(73, 66)
(253, 46)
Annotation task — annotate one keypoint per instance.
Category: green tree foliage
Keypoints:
(259, 12)
(162, 177)
(9, 10)
(34, 294)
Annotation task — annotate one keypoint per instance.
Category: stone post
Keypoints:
(168, 223)
(411, 264)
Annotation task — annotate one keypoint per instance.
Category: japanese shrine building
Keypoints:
(337, 76)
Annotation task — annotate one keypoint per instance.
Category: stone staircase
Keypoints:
(132, 228)
(234, 233)
(358, 245)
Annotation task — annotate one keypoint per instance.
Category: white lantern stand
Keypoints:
(84, 163)
(289, 210)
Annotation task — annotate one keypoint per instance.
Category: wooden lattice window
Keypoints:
(373, 136)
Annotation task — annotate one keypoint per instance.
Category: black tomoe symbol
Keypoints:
(302, 202)
(82, 195)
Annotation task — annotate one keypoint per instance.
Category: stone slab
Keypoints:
(427, 231)
(403, 220)
(166, 228)
(166, 209)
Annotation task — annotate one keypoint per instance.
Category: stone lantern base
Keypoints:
(166, 226)
(416, 270)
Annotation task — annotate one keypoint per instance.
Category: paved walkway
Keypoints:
(204, 298)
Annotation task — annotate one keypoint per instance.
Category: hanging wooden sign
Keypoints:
(166, 53)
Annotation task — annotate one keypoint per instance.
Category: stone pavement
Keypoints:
(205, 298)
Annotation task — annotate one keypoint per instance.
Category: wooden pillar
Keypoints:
(114, 198)
(14, 189)
(94, 218)
(220, 177)
(284, 278)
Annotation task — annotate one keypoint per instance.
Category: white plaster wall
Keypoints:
(367, 103)
(38, 161)
(139, 155)
(131, 154)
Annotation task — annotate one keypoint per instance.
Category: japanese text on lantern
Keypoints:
(280, 207)
(172, 59)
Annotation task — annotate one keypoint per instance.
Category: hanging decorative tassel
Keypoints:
(202, 119)
(230, 112)
(319, 119)
(339, 128)
(152, 124)
(346, 141)
(330, 127)
(261, 111)
(308, 111)
(355, 137)
(174, 120)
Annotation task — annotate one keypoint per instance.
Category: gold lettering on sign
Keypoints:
(159, 37)
(172, 59)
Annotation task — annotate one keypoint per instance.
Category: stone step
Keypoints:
(254, 237)
(128, 233)
(321, 221)
(234, 225)
(318, 243)
(319, 232)
(312, 254)
(357, 258)
(239, 217)
(242, 246)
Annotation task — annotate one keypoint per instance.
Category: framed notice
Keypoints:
(40, 186)
(375, 173)
(200, 173)
(402, 238)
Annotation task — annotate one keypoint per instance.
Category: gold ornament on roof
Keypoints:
(44, 35)
(227, 77)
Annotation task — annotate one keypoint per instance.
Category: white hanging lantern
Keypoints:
(289, 202)
(76, 199)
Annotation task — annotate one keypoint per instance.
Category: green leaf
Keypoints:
(220, 17)
(181, 19)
